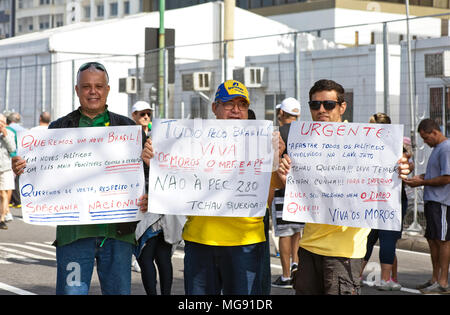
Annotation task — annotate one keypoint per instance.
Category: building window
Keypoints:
(126, 7)
(87, 12)
(100, 10)
(199, 107)
(113, 9)
(59, 20)
(440, 107)
(255, 4)
(44, 22)
(270, 101)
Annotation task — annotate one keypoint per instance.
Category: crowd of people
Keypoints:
(230, 255)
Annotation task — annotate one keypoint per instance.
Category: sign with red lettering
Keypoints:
(210, 167)
(344, 174)
(81, 175)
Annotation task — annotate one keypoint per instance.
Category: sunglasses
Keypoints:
(328, 105)
(97, 66)
(144, 114)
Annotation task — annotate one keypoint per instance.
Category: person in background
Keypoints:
(436, 196)
(44, 121)
(157, 236)
(142, 114)
(388, 239)
(7, 145)
(13, 121)
(288, 233)
(288, 111)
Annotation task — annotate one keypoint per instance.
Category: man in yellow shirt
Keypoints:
(223, 254)
(330, 256)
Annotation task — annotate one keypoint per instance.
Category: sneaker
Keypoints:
(436, 288)
(280, 283)
(3, 225)
(8, 217)
(389, 286)
(135, 266)
(425, 285)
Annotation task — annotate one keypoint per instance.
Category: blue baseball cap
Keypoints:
(231, 89)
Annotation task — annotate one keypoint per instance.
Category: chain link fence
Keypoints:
(368, 59)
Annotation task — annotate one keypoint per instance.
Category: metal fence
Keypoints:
(370, 61)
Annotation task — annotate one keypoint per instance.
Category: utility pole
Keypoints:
(415, 226)
(161, 76)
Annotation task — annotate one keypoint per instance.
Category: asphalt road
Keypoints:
(28, 265)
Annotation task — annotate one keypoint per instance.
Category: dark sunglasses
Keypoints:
(328, 105)
(145, 113)
(87, 65)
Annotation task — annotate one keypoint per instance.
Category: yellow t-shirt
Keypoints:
(334, 240)
(224, 231)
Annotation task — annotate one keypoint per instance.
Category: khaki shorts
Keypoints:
(7, 180)
(319, 274)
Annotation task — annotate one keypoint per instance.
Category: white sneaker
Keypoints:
(135, 266)
(8, 217)
(389, 286)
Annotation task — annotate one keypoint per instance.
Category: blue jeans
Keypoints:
(75, 263)
(213, 270)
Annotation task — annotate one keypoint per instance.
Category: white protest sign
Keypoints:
(344, 174)
(81, 175)
(210, 167)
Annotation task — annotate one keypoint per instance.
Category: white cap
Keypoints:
(290, 105)
(140, 105)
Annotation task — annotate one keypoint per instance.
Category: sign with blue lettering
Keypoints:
(81, 175)
(210, 167)
(344, 174)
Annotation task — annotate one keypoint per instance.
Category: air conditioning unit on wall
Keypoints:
(128, 85)
(252, 77)
(438, 64)
(202, 81)
(197, 81)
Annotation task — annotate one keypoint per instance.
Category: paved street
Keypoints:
(28, 265)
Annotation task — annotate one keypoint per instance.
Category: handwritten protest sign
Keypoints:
(210, 167)
(344, 174)
(81, 175)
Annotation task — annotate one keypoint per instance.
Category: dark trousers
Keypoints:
(156, 251)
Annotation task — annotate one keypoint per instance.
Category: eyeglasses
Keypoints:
(328, 105)
(144, 114)
(97, 65)
(242, 105)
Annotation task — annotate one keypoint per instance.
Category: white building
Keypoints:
(268, 77)
(431, 88)
(329, 19)
(38, 70)
(358, 69)
(38, 15)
